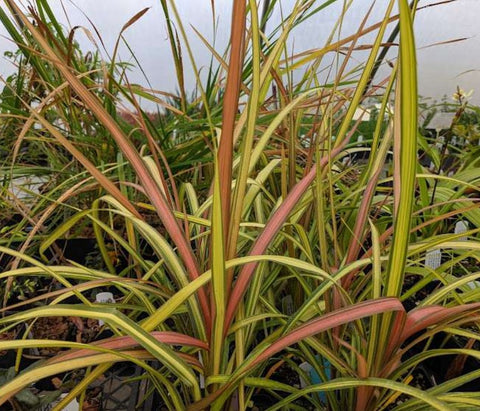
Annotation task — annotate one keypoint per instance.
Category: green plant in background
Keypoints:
(25, 398)
(255, 206)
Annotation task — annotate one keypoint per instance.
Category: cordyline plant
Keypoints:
(282, 216)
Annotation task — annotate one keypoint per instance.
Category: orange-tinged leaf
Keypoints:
(230, 107)
(127, 342)
(328, 321)
(424, 317)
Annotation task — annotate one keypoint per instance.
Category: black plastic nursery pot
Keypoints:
(443, 368)
(447, 367)
(75, 249)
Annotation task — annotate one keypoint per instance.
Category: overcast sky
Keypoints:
(441, 68)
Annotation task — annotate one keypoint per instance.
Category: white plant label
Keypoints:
(104, 298)
(307, 369)
(460, 228)
(433, 259)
